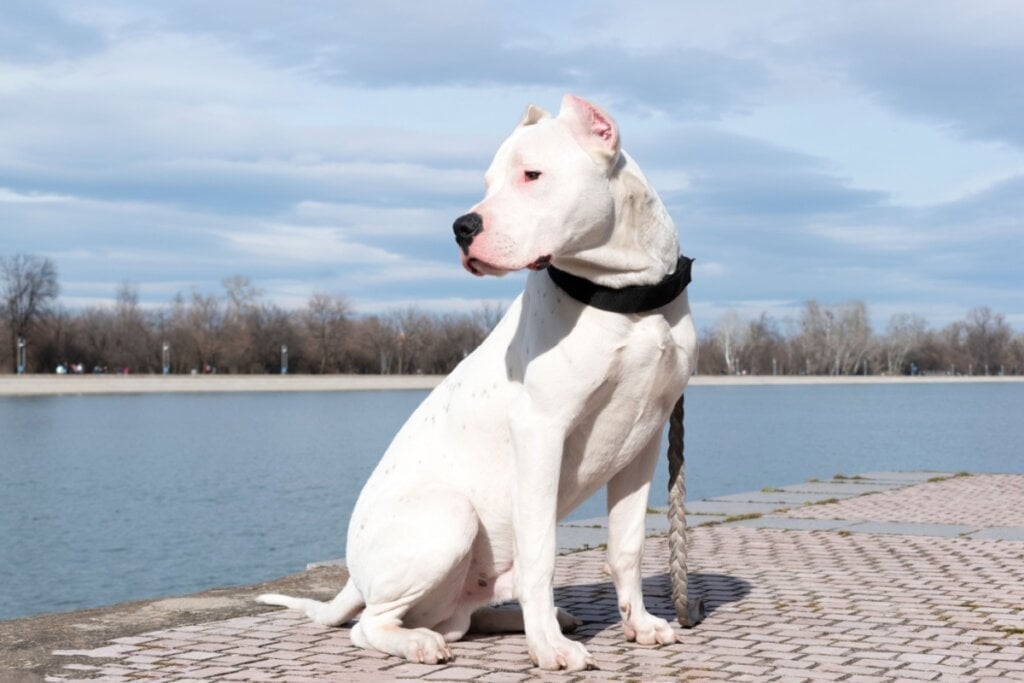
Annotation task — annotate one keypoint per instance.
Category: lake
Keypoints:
(110, 498)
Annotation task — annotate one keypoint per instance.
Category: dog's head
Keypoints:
(548, 193)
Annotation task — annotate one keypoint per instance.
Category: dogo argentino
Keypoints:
(562, 398)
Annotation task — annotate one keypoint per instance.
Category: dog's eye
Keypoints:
(531, 175)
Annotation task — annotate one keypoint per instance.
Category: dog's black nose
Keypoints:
(466, 227)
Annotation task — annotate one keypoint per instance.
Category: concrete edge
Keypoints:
(30, 643)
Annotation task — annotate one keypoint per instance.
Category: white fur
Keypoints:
(560, 400)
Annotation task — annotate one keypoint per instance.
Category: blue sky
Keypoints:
(827, 150)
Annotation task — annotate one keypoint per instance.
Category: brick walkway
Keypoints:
(784, 605)
(983, 500)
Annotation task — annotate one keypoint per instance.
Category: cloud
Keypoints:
(380, 222)
(824, 151)
(464, 44)
(951, 63)
(9, 196)
(433, 305)
(33, 31)
(303, 244)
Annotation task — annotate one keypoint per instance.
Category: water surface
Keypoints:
(110, 498)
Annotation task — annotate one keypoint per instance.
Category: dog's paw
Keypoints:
(560, 653)
(647, 629)
(424, 646)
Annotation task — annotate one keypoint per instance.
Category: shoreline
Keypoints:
(57, 385)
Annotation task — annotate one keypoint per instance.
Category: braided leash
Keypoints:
(690, 613)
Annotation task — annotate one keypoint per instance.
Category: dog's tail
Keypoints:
(345, 605)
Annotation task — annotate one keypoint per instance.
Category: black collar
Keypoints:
(631, 299)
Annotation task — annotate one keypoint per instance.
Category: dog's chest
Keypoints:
(645, 372)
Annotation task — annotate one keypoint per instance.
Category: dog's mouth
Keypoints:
(480, 268)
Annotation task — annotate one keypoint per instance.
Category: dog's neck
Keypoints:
(642, 248)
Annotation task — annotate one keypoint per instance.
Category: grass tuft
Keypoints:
(740, 518)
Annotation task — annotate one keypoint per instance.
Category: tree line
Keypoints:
(234, 331)
(238, 331)
(838, 340)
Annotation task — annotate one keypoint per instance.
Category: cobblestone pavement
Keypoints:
(981, 500)
(784, 605)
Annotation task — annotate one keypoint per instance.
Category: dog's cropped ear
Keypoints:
(532, 115)
(592, 127)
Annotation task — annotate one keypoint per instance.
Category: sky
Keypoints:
(811, 149)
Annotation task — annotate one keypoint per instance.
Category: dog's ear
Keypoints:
(532, 115)
(592, 127)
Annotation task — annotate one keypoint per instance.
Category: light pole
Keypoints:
(21, 356)
(165, 357)
(284, 359)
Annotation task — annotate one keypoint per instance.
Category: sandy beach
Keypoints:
(51, 385)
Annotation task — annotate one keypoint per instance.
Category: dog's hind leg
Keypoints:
(413, 573)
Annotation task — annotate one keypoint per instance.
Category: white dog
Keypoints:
(562, 398)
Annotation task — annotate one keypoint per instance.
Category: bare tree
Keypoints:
(455, 338)
(710, 359)
(834, 340)
(488, 316)
(729, 335)
(763, 351)
(133, 345)
(199, 324)
(988, 338)
(29, 286)
(326, 319)
(241, 313)
(414, 332)
(273, 329)
(906, 333)
(851, 338)
(370, 346)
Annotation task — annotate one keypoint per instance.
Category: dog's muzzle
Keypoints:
(466, 228)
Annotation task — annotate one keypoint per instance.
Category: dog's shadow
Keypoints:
(596, 605)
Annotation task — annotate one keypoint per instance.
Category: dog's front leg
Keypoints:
(537, 439)
(627, 511)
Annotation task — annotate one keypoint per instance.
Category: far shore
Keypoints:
(51, 385)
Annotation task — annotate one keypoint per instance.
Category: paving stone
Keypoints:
(781, 498)
(908, 477)
(980, 503)
(708, 507)
(841, 487)
(658, 524)
(655, 521)
(796, 524)
(908, 529)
